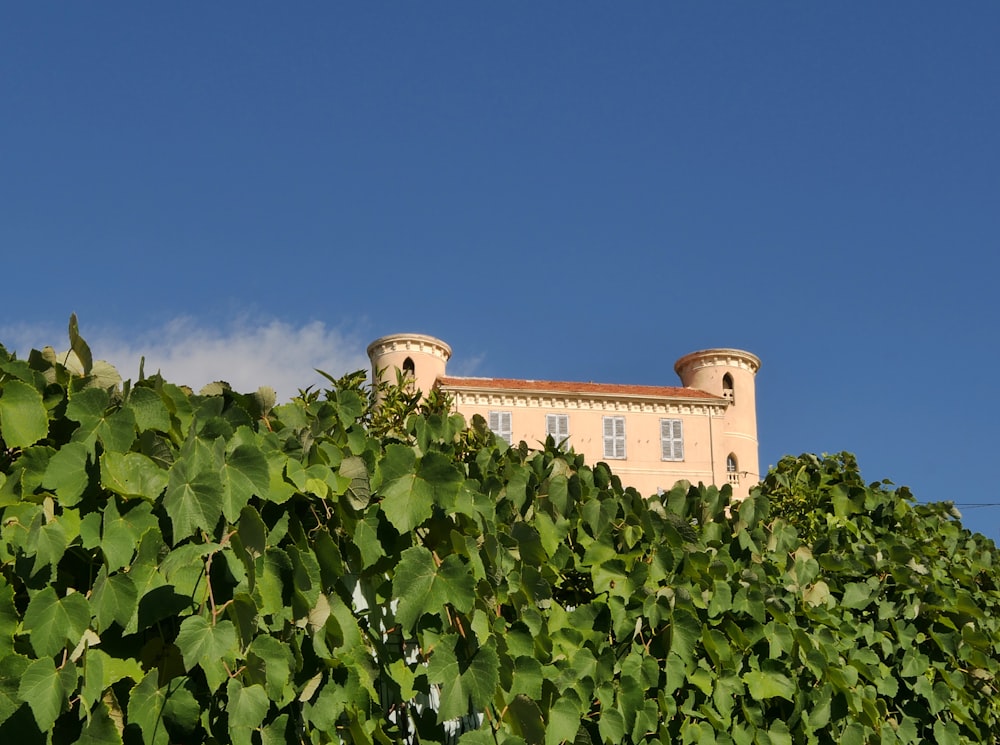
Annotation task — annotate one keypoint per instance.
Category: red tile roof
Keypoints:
(593, 389)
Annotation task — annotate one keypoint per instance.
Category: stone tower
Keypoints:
(730, 374)
(419, 357)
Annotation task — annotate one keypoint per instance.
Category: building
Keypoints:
(651, 436)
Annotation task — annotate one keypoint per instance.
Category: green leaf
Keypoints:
(46, 690)
(247, 708)
(194, 497)
(466, 686)
(946, 733)
(611, 725)
(115, 428)
(101, 729)
(114, 599)
(55, 623)
(366, 539)
(271, 663)
(48, 541)
(244, 475)
(856, 595)
(66, 473)
(8, 619)
(209, 646)
(132, 476)
(764, 685)
(411, 488)
(528, 677)
(181, 709)
(359, 491)
(564, 720)
(23, 417)
(145, 708)
(423, 588)
(722, 599)
(686, 632)
(11, 671)
(101, 671)
(525, 720)
(122, 532)
(406, 500)
(275, 733)
(79, 346)
(149, 410)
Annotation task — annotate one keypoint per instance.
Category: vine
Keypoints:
(361, 566)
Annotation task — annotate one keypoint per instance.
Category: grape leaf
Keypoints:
(194, 497)
(424, 588)
(465, 686)
(46, 690)
(24, 419)
(132, 475)
(54, 622)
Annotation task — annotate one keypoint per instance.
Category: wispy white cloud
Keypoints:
(245, 354)
(468, 366)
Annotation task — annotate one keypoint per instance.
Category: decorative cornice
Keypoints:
(719, 357)
(665, 405)
(410, 343)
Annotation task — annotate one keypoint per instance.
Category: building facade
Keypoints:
(651, 436)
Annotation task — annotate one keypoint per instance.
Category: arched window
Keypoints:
(732, 470)
(727, 388)
(409, 370)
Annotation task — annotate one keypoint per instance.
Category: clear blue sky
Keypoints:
(565, 190)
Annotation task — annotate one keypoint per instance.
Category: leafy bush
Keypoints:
(197, 568)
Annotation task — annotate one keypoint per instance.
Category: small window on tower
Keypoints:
(732, 470)
(409, 369)
(727, 388)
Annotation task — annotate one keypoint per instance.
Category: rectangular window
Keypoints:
(500, 425)
(671, 439)
(557, 425)
(614, 437)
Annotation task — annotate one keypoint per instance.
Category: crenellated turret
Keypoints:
(418, 356)
(730, 374)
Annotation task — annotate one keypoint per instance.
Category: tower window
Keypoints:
(727, 388)
(732, 470)
(409, 369)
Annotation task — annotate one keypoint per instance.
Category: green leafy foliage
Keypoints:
(359, 566)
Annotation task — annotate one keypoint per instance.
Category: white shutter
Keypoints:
(557, 426)
(614, 437)
(671, 439)
(500, 425)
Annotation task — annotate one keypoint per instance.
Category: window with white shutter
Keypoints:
(500, 425)
(671, 439)
(557, 425)
(614, 437)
